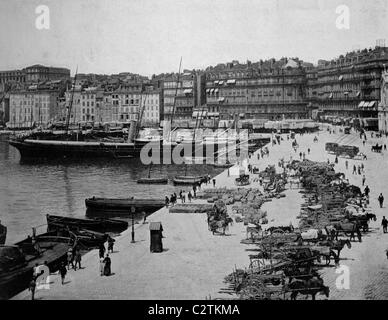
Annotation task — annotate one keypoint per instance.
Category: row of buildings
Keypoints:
(349, 87)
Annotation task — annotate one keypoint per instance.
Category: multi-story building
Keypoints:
(264, 90)
(12, 76)
(350, 85)
(188, 91)
(383, 105)
(33, 107)
(39, 73)
(151, 107)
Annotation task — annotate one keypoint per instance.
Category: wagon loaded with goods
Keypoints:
(341, 150)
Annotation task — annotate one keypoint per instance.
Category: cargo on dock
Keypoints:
(191, 208)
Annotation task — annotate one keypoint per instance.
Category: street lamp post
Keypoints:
(133, 224)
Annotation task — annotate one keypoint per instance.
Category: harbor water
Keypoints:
(29, 191)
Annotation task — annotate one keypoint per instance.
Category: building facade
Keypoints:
(383, 105)
(151, 107)
(39, 73)
(350, 85)
(33, 107)
(188, 91)
(270, 90)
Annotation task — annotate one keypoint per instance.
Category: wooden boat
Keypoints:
(122, 205)
(191, 181)
(202, 178)
(222, 165)
(153, 181)
(17, 261)
(95, 224)
(150, 180)
(3, 233)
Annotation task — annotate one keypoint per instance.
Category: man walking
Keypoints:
(32, 287)
(354, 169)
(384, 223)
(77, 260)
(367, 191)
(381, 200)
(62, 272)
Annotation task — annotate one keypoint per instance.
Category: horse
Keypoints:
(308, 287)
(363, 221)
(377, 148)
(349, 228)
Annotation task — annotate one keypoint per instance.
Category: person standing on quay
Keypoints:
(167, 201)
(77, 260)
(381, 200)
(354, 169)
(366, 191)
(111, 242)
(214, 183)
(101, 250)
(189, 196)
(384, 223)
(70, 258)
(32, 287)
(107, 266)
(62, 272)
(363, 180)
(102, 265)
(346, 164)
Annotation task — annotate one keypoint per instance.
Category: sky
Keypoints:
(149, 36)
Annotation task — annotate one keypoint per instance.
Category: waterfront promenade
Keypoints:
(195, 262)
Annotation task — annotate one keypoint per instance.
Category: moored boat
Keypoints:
(17, 261)
(95, 224)
(192, 181)
(152, 181)
(123, 205)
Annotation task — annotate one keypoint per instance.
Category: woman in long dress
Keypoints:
(107, 264)
(102, 265)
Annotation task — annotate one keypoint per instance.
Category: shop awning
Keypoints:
(331, 95)
(216, 82)
(340, 78)
(221, 99)
(215, 90)
(211, 90)
(220, 82)
(213, 114)
(207, 90)
(346, 92)
(358, 93)
(186, 91)
(231, 81)
(361, 104)
(242, 114)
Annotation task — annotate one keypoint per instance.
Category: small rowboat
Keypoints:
(191, 178)
(153, 181)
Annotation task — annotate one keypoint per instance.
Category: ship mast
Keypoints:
(176, 93)
(71, 102)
